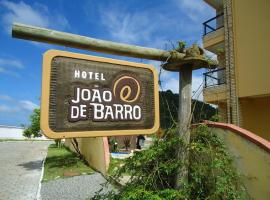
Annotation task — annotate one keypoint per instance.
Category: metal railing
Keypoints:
(215, 77)
(213, 24)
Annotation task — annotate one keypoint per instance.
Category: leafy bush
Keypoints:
(34, 129)
(215, 118)
(113, 144)
(211, 173)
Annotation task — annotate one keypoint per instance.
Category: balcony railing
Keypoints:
(213, 24)
(214, 77)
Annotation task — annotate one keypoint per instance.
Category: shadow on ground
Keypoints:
(32, 165)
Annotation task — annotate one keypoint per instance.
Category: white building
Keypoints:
(13, 132)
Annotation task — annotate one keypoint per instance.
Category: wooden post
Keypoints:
(194, 59)
(184, 112)
(81, 42)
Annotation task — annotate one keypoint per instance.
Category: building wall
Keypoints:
(252, 43)
(15, 133)
(212, 39)
(251, 156)
(215, 94)
(95, 151)
(10, 132)
(222, 111)
(256, 115)
(247, 43)
(232, 97)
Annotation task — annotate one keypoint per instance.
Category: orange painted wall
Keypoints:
(252, 42)
(256, 115)
(251, 155)
(95, 151)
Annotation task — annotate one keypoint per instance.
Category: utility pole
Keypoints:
(183, 63)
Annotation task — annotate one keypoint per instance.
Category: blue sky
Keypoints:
(152, 23)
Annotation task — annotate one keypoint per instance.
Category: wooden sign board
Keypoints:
(87, 96)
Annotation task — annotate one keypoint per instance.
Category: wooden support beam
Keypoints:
(184, 115)
(185, 79)
(81, 42)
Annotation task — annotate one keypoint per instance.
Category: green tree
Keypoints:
(168, 102)
(34, 129)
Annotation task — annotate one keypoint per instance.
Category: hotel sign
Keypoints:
(87, 96)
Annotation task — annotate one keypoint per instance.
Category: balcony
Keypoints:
(215, 86)
(214, 77)
(213, 33)
(216, 4)
(214, 24)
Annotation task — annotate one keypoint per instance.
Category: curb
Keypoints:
(38, 196)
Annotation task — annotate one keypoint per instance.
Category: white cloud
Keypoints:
(9, 72)
(168, 80)
(10, 105)
(60, 21)
(127, 27)
(7, 66)
(36, 15)
(28, 105)
(171, 84)
(23, 13)
(210, 55)
(194, 9)
(194, 5)
(5, 97)
(4, 108)
(197, 87)
(163, 74)
(155, 26)
(11, 63)
(138, 26)
(15, 112)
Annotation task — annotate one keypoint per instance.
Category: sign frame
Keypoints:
(45, 97)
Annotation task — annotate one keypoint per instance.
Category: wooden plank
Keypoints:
(81, 42)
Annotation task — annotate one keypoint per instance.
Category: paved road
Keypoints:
(78, 187)
(20, 169)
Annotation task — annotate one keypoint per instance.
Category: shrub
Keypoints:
(211, 173)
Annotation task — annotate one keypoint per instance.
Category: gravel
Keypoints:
(78, 187)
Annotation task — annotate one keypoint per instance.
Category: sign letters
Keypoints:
(86, 96)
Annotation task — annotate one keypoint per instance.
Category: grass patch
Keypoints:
(115, 164)
(61, 162)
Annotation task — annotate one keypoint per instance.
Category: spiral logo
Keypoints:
(127, 89)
